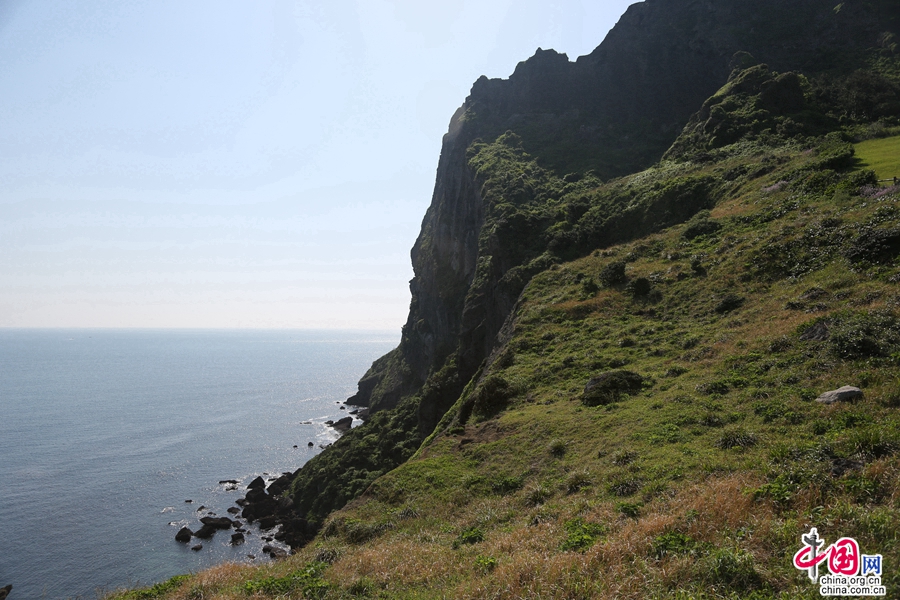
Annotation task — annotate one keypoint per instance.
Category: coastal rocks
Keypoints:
(4, 592)
(842, 394)
(275, 551)
(237, 538)
(233, 510)
(206, 532)
(217, 522)
(342, 425)
(280, 484)
(184, 535)
(197, 548)
(257, 484)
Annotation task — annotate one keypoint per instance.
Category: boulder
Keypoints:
(842, 394)
(217, 522)
(274, 551)
(184, 535)
(4, 591)
(237, 538)
(233, 510)
(205, 532)
(281, 484)
(343, 425)
(310, 445)
(234, 481)
(197, 548)
(258, 510)
(256, 495)
(258, 483)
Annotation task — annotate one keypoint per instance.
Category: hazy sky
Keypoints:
(258, 163)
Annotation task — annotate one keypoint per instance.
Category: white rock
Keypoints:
(848, 392)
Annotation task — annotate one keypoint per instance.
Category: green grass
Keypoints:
(880, 155)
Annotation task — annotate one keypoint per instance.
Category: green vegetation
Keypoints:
(880, 155)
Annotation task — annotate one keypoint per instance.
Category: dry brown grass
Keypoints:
(530, 563)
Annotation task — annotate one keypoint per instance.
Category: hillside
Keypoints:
(680, 220)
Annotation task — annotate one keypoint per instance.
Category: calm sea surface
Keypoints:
(105, 433)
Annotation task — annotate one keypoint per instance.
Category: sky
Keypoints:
(238, 164)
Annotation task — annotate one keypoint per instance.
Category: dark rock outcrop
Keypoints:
(217, 522)
(206, 532)
(184, 535)
(343, 425)
(274, 551)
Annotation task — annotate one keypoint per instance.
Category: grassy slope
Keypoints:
(699, 485)
(880, 155)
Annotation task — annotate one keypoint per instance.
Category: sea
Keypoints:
(112, 440)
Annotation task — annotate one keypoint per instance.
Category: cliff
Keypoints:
(610, 113)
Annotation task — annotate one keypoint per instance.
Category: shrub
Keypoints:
(613, 274)
(700, 224)
(581, 535)
(876, 246)
(362, 587)
(623, 457)
(714, 387)
(491, 396)
(629, 509)
(625, 487)
(470, 535)
(780, 490)
(729, 303)
(485, 564)
(158, 590)
(506, 485)
(537, 495)
(577, 481)
(736, 438)
(639, 288)
(307, 580)
(609, 386)
(557, 447)
(733, 568)
(863, 335)
(873, 442)
(673, 543)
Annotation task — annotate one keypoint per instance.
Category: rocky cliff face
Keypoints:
(612, 112)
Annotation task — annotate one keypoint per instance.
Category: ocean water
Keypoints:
(105, 433)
